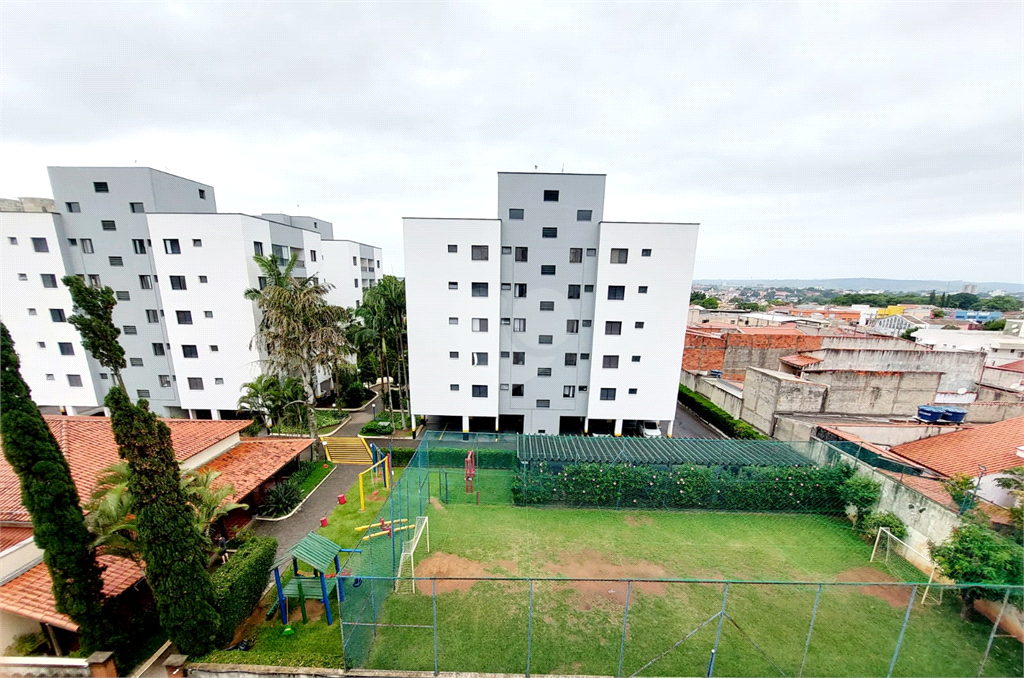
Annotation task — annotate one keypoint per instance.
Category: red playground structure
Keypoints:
(470, 471)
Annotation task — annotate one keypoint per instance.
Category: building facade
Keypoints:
(548, 319)
(179, 270)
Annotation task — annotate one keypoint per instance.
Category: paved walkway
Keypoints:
(288, 532)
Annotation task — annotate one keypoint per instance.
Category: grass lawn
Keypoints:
(318, 474)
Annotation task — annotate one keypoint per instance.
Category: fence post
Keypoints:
(992, 636)
(903, 629)
(341, 615)
(807, 645)
(625, 618)
(529, 632)
(718, 635)
(394, 568)
(433, 593)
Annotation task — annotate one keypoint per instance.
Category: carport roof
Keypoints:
(702, 452)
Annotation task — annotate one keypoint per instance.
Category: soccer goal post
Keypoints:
(900, 556)
(405, 580)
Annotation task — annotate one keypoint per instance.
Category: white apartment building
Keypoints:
(179, 270)
(548, 319)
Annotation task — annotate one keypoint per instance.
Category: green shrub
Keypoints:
(281, 499)
(886, 519)
(354, 395)
(27, 645)
(253, 429)
(241, 537)
(862, 492)
(239, 583)
(400, 456)
(770, 488)
(305, 470)
(376, 428)
(718, 417)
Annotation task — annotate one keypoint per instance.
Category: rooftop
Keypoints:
(1015, 366)
(247, 465)
(992, 445)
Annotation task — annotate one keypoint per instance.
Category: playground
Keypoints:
(564, 589)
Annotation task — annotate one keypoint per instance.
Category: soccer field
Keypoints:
(576, 627)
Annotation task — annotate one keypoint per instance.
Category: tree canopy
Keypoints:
(974, 554)
(93, 317)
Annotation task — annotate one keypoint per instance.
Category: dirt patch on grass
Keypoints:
(639, 521)
(443, 565)
(248, 628)
(896, 596)
(592, 565)
(506, 565)
(436, 503)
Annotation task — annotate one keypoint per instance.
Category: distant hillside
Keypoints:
(886, 284)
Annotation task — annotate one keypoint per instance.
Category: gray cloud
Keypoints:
(818, 139)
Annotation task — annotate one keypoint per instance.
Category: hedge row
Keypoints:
(239, 583)
(770, 488)
(718, 417)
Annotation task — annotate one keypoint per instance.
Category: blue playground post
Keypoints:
(326, 599)
(281, 602)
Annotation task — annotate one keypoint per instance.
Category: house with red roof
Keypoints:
(249, 465)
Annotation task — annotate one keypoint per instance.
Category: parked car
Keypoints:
(650, 429)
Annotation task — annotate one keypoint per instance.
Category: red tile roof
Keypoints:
(15, 534)
(88, 444)
(992, 445)
(781, 329)
(30, 594)
(1015, 366)
(247, 465)
(799, 360)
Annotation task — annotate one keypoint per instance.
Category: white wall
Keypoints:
(667, 274)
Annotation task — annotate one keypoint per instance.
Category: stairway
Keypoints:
(347, 451)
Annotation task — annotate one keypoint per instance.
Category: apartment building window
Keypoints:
(94, 280)
(572, 326)
(620, 256)
(588, 323)
(178, 282)
(136, 207)
(204, 279)
(612, 327)
(355, 282)
(49, 377)
(135, 362)
(158, 348)
(32, 311)
(639, 325)
(202, 194)
(610, 362)
(505, 354)
(575, 255)
(312, 255)
(479, 390)
(574, 291)
(547, 269)
(142, 393)
(152, 316)
(40, 245)
(517, 390)
(165, 380)
(172, 246)
(189, 351)
(632, 391)
(453, 387)
(522, 254)
(569, 391)
(214, 348)
(480, 359)
(49, 280)
(453, 354)
(123, 295)
(108, 225)
(607, 394)
(130, 329)
(86, 246)
(262, 282)
(584, 356)
(617, 292)
(452, 320)
(73, 242)
(550, 196)
(66, 348)
(75, 380)
(515, 213)
(506, 249)
(506, 287)
(145, 282)
(378, 263)
(645, 253)
(197, 242)
(518, 357)
(591, 251)
(520, 291)
(642, 289)
(543, 404)
(506, 321)
(479, 289)
(479, 324)
(73, 207)
(257, 247)
(549, 232)
(57, 315)
(207, 314)
(12, 240)
(543, 371)
(100, 187)
(452, 285)
(584, 215)
(115, 261)
(636, 359)
(544, 339)
(195, 383)
(570, 359)
(547, 306)
(503, 387)
(139, 246)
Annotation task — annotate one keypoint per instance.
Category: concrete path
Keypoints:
(288, 532)
(688, 426)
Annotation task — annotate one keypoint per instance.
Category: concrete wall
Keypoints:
(14, 625)
(715, 391)
(874, 343)
(960, 369)
(1002, 378)
(763, 350)
(993, 394)
(256, 671)
(893, 434)
(766, 392)
(988, 413)
(877, 393)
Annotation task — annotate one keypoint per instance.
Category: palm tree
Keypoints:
(259, 398)
(210, 504)
(274, 273)
(383, 316)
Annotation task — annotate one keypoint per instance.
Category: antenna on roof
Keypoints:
(563, 168)
(534, 168)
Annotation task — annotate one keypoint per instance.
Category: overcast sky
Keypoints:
(810, 140)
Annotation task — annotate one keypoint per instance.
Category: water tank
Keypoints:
(929, 414)
(954, 415)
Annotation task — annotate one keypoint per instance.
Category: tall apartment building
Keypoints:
(548, 319)
(179, 270)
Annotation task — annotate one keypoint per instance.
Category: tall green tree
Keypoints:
(171, 545)
(49, 494)
(383, 317)
(974, 554)
(93, 317)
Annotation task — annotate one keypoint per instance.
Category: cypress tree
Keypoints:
(50, 495)
(94, 320)
(171, 545)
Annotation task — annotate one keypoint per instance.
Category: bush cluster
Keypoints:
(281, 499)
(887, 519)
(239, 583)
(768, 488)
(376, 428)
(305, 470)
(718, 417)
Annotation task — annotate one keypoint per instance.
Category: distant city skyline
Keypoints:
(813, 140)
